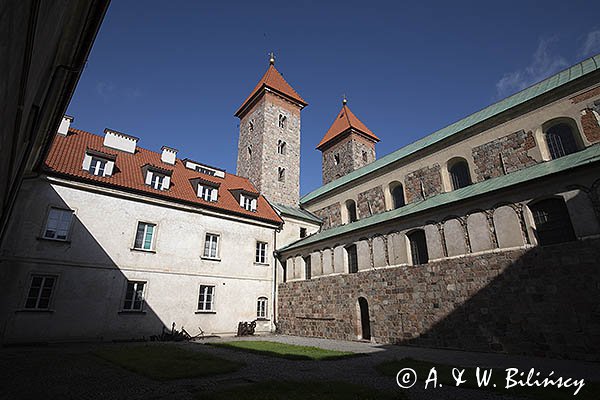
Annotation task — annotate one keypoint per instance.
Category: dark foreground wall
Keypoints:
(541, 301)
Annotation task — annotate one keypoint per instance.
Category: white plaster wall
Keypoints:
(379, 250)
(339, 259)
(581, 212)
(455, 238)
(397, 248)
(434, 242)
(315, 263)
(364, 255)
(327, 262)
(507, 227)
(99, 257)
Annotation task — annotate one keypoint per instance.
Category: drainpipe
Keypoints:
(274, 289)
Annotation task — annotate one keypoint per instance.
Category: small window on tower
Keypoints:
(281, 174)
(282, 121)
(364, 155)
(336, 159)
(249, 151)
(251, 125)
(281, 147)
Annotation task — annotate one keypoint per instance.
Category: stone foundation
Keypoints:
(542, 301)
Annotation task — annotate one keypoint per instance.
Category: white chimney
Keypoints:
(120, 141)
(168, 155)
(63, 129)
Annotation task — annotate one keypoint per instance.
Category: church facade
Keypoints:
(484, 235)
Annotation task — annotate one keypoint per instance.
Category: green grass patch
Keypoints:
(283, 350)
(276, 390)
(591, 390)
(165, 362)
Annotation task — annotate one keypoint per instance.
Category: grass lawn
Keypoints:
(276, 390)
(591, 390)
(282, 350)
(164, 362)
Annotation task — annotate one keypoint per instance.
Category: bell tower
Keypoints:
(348, 145)
(269, 141)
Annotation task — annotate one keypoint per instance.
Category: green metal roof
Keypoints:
(584, 157)
(561, 78)
(297, 212)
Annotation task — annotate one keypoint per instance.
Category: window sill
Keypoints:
(53, 240)
(262, 264)
(210, 258)
(35, 310)
(143, 250)
(132, 312)
(205, 312)
(262, 319)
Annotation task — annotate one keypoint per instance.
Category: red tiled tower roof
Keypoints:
(345, 122)
(66, 155)
(272, 80)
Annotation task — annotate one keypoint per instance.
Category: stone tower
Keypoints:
(347, 145)
(269, 142)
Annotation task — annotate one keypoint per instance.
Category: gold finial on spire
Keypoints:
(271, 58)
(344, 99)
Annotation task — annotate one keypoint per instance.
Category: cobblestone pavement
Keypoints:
(73, 372)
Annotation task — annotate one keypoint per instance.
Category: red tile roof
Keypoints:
(345, 121)
(66, 155)
(272, 79)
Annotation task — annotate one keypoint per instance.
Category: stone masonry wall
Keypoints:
(541, 301)
(371, 202)
(503, 155)
(589, 122)
(427, 179)
(350, 152)
(330, 215)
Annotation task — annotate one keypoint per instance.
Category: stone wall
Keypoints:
(589, 122)
(349, 152)
(540, 301)
(427, 181)
(503, 155)
(371, 202)
(330, 215)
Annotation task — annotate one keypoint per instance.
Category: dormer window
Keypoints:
(156, 177)
(208, 193)
(98, 163)
(282, 121)
(248, 202)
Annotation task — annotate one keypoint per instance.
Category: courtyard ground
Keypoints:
(76, 371)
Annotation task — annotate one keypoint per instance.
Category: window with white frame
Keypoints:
(97, 166)
(247, 202)
(134, 296)
(58, 224)
(261, 253)
(208, 193)
(211, 245)
(144, 236)
(40, 292)
(206, 298)
(261, 308)
(157, 181)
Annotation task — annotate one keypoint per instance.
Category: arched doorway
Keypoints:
(363, 316)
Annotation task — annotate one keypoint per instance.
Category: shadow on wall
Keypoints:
(540, 301)
(89, 297)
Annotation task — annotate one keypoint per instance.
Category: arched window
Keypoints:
(281, 174)
(251, 125)
(560, 140)
(336, 159)
(262, 307)
(365, 156)
(352, 259)
(282, 121)
(281, 147)
(397, 192)
(250, 151)
(351, 209)
(552, 221)
(307, 267)
(458, 168)
(418, 247)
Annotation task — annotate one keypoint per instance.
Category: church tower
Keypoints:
(269, 141)
(347, 145)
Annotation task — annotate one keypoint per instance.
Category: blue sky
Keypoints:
(174, 72)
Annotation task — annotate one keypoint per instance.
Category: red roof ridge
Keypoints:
(272, 79)
(342, 125)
